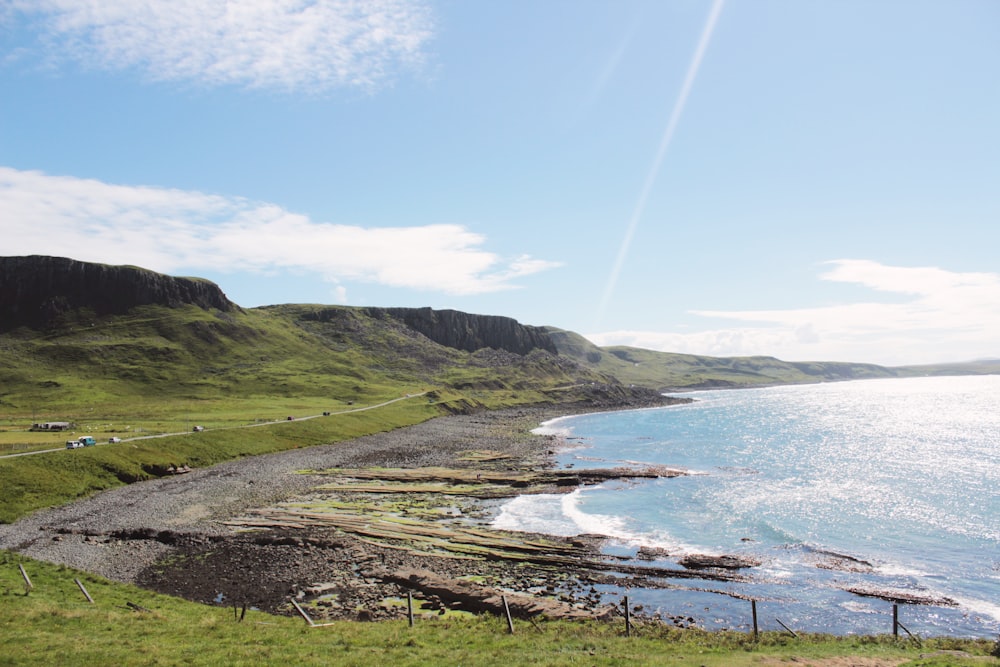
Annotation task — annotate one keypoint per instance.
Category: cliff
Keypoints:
(468, 332)
(36, 291)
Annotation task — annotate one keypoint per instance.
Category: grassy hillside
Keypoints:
(669, 371)
(160, 369)
(981, 367)
(54, 624)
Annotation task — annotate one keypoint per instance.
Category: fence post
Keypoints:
(753, 610)
(27, 580)
(628, 619)
(788, 629)
(895, 620)
(84, 590)
(506, 610)
(409, 607)
(302, 613)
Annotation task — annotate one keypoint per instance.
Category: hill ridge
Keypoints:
(37, 290)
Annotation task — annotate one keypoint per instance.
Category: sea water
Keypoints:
(883, 485)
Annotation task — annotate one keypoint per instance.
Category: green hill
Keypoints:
(87, 342)
(667, 371)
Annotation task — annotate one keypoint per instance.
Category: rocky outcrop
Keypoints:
(703, 561)
(35, 291)
(469, 596)
(464, 331)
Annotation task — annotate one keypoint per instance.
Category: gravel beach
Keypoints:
(168, 534)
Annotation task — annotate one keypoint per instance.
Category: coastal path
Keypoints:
(227, 428)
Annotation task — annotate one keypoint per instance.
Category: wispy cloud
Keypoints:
(936, 315)
(169, 230)
(312, 45)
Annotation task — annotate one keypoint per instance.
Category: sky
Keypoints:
(806, 179)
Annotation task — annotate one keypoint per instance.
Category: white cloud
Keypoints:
(941, 316)
(310, 45)
(166, 230)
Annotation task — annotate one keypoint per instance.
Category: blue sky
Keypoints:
(812, 180)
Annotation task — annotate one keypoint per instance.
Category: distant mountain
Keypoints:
(668, 371)
(979, 367)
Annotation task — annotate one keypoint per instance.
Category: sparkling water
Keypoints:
(883, 485)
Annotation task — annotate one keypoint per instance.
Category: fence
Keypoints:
(411, 618)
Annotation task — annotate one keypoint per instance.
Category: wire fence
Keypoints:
(626, 610)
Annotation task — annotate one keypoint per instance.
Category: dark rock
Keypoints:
(702, 561)
(651, 553)
(468, 332)
(472, 597)
(902, 597)
(36, 291)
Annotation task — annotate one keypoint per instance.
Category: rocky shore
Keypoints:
(334, 528)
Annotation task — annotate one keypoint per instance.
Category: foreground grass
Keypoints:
(55, 624)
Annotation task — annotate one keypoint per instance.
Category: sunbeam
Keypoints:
(654, 169)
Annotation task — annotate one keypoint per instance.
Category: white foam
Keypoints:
(537, 513)
(980, 607)
(562, 515)
(857, 607)
(596, 524)
(899, 570)
(556, 427)
(617, 528)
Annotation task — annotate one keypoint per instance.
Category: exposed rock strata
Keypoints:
(468, 596)
(468, 332)
(35, 291)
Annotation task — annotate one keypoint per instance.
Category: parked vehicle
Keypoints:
(198, 429)
(87, 441)
(114, 441)
(73, 444)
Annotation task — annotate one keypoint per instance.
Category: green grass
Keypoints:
(32, 482)
(54, 624)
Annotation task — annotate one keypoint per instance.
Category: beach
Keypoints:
(264, 530)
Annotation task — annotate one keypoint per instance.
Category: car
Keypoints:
(326, 414)
(73, 444)
(290, 418)
(198, 429)
(114, 441)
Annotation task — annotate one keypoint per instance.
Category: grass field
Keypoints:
(28, 483)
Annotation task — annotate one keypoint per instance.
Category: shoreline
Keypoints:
(261, 532)
(175, 534)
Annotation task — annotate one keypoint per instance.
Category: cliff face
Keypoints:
(464, 331)
(36, 290)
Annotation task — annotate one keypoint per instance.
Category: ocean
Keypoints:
(876, 485)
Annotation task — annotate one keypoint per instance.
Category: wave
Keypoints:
(557, 427)
(537, 513)
(980, 607)
(563, 515)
